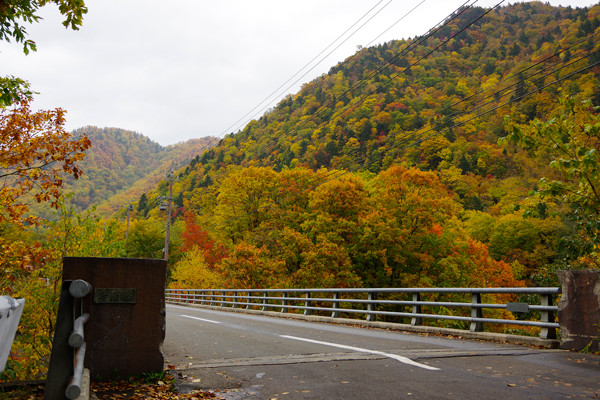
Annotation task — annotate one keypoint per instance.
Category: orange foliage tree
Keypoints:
(35, 154)
(250, 267)
(195, 237)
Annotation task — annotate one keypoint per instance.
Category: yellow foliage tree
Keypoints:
(192, 272)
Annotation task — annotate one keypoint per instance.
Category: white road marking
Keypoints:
(402, 359)
(200, 319)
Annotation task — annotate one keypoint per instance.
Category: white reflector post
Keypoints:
(10, 314)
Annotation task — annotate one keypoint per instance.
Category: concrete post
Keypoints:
(579, 309)
(126, 327)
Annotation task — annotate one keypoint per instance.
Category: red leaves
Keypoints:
(195, 236)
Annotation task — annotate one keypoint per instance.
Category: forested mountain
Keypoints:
(121, 164)
(301, 188)
(368, 110)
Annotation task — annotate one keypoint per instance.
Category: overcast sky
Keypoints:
(176, 70)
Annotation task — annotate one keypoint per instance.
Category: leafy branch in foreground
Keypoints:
(35, 154)
(571, 142)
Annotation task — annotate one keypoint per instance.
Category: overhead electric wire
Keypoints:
(246, 120)
(530, 77)
(333, 172)
(444, 22)
(418, 134)
(347, 165)
(448, 19)
(420, 140)
(420, 137)
(395, 23)
(327, 55)
(557, 54)
(436, 28)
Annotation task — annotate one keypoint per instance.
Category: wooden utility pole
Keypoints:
(169, 200)
(129, 209)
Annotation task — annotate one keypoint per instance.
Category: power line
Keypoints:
(389, 62)
(395, 23)
(438, 27)
(352, 162)
(444, 22)
(407, 137)
(244, 118)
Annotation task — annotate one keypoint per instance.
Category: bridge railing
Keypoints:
(416, 304)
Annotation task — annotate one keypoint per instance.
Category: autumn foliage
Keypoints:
(35, 155)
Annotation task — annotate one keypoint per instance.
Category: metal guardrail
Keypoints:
(68, 346)
(379, 302)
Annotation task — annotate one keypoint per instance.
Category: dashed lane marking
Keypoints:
(200, 319)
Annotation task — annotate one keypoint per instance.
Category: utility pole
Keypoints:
(169, 200)
(129, 209)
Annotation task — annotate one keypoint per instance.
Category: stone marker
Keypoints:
(126, 328)
(579, 309)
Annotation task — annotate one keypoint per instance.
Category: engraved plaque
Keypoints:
(115, 296)
(517, 307)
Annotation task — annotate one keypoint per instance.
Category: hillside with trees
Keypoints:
(121, 165)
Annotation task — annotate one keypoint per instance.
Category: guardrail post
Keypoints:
(249, 300)
(234, 299)
(335, 313)
(547, 316)
(416, 309)
(476, 312)
(264, 302)
(284, 302)
(307, 304)
(371, 307)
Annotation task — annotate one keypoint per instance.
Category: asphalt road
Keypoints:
(256, 357)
